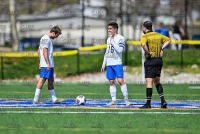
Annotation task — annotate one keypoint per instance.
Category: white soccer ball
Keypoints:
(81, 100)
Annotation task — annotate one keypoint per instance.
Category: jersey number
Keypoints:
(111, 49)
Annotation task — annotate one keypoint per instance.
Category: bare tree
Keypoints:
(13, 25)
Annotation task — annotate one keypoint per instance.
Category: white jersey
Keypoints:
(113, 55)
(45, 42)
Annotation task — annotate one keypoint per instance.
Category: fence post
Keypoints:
(181, 57)
(2, 68)
(126, 54)
(78, 62)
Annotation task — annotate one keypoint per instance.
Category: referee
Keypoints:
(153, 44)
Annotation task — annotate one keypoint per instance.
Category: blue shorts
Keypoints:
(44, 73)
(114, 71)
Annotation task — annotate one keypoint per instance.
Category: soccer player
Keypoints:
(46, 64)
(153, 44)
(113, 63)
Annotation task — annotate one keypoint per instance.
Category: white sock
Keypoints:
(37, 94)
(113, 92)
(53, 95)
(124, 91)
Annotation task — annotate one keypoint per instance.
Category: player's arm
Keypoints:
(119, 46)
(144, 45)
(44, 46)
(145, 48)
(104, 61)
(46, 57)
(166, 42)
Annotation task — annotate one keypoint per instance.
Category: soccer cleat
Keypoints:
(128, 103)
(145, 106)
(164, 105)
(37, 102)
(112, 103)
(57, 101)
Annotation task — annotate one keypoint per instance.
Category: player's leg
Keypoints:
(51, 86)
(159, 88)
(51, 89)
(120, 78)
(149, 75)
(149, 91)
(38, 89)
(39, 86)
(111, 77)
(123, 87)
(113, 91)
(157, 83)
(124, 90)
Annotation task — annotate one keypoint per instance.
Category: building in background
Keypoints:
(128, 13)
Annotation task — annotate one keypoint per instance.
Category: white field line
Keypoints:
(88, 99)
(133, 112)
(194, 87)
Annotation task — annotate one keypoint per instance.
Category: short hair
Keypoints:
(148, 25)
(113, 24)
(56, 30)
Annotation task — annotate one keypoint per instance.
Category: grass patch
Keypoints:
(91, 62)
(97, 123)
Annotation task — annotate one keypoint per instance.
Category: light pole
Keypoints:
(83, 24)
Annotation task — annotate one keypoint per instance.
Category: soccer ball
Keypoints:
(80, 100)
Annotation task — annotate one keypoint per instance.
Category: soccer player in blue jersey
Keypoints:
(113, 63)
(46, 65)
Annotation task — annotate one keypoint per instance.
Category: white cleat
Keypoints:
(112, 103)
(57, 101)
(37, 102)
(128, 103)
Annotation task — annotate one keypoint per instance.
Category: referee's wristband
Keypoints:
(162, 49)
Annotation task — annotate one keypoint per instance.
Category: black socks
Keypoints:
(160, 92)
(148, 95)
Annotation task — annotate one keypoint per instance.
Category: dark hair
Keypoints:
(148, 25)
(113, 24)
(56, 30)
(178, 23)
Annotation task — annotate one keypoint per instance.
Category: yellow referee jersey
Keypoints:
(154, 42)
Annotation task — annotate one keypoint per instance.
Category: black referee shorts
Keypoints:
(153, 67)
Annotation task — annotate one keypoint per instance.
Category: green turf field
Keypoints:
(65, 66)
(143, 121)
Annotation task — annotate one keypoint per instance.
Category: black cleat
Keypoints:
(164, 105)
(145, 106)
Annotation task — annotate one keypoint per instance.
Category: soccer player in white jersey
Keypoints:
(113, 63)
(46, 64)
